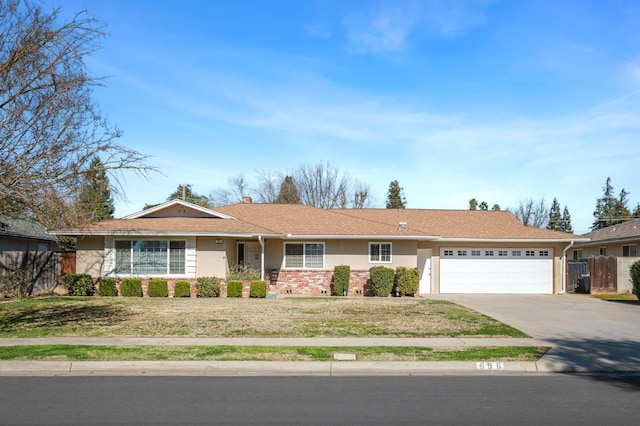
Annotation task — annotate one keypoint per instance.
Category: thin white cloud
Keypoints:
(388, 27)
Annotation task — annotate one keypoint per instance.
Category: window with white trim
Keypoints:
(603, 251)
(150, 257)
(379, 252)
(304, 255)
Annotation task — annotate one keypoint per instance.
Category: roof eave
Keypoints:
(512, 240)
(359, 237)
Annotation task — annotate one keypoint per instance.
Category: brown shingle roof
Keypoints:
(285, 219)
(459, 223)
(626, 231)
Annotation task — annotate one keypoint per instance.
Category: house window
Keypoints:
(530, 253)
(577, 254)
(544, 253)
(488, 253)
(503, 253)
(304, 255)
(380, 253)
(516, 253)
(448, 252)
(150, 257)
(462, 252)
(630, 251)
(603, 251)
(475, 252)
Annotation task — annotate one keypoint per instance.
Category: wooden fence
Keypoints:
(29, 272)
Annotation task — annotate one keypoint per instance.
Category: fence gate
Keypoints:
(578, 276)
(603, 274)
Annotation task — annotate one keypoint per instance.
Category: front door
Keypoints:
(249, 254)
(424, 266)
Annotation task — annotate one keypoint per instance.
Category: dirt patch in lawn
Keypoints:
(222, 317)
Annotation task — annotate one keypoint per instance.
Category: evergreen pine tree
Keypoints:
(95, 202)
(395, 196)
(555, 217)
(609, 209)
(484, 206)
(288, 192)
(566, 221)
(473, 204)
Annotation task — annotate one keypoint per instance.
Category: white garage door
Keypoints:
(496, 270)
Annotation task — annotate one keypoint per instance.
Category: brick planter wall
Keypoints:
(316, 282)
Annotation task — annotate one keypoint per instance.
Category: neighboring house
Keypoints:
(296, 247)
(621, 241)
(27, 248)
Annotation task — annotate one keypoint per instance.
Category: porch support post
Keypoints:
(261, 241)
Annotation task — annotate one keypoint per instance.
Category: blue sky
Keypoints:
(497, 100)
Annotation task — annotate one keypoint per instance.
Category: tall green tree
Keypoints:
(473, 204)
(555, 216)
(566, 221)
(610, 210)
(288, 192)
(185, 193)
(95, 201)
(395, 196)
(559, 221)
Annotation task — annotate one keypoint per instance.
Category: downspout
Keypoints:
(261, 241)
(564, 267)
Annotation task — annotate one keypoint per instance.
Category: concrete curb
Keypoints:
(303, 368)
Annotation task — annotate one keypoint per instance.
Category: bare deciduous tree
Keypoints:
(532, 213)
(50, 129)
(237, 188)
(321, 185)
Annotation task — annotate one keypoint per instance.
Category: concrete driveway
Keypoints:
(586, 334)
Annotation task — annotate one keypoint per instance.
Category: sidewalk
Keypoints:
(324, 368)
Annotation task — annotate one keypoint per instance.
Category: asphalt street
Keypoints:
(487, 400)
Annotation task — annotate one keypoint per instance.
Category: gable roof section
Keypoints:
(619, 233)
(177, 207)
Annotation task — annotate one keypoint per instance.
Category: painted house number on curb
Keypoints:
(490, 366)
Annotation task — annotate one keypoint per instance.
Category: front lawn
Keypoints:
(222, 317)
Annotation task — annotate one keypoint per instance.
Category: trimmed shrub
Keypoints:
(78, 284)
(381, 280)
(207, 287)
(234, 289)
(258, 289)
(182, 289)
(634, 271)
(341, 275)
(158, 288)
(131, 287)
(107, 287)
(408, 280)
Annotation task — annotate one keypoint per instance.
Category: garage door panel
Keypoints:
(497, 275)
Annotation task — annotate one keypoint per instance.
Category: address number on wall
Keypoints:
(490, 365)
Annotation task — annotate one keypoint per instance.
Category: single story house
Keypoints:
(620, 241)
(296, 247)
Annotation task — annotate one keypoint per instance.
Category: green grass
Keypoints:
(222, 317)
(617, 297)
(264, 353)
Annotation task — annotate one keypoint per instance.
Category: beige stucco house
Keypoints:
(296, 247)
